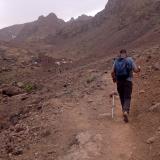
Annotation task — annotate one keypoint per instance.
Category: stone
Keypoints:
(155, 108)
(22, 97)
(105, 115)
(151, 140)
(4, 69)
(19, 128)
(11, 91)
(141, 92)
(20, 84)
(90, 101)
(17, 151)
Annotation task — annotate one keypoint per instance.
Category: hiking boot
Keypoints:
(125, 116)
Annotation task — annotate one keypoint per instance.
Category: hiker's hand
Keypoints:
(114, 80)
(139, 68)
(113, 76)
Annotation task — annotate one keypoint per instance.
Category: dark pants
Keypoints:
(125, 91)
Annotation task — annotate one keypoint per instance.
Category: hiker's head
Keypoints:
(123, 53)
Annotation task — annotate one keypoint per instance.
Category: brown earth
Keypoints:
(68, 114)
(54, 92)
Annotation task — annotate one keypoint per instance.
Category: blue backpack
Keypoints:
(123, 69)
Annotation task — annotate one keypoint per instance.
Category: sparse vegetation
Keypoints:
(91, 79)
(29, 87)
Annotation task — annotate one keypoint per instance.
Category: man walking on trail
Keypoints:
(122, 74)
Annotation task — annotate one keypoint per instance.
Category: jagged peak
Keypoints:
(41, 18)
(72, 19)
(52, 15)
(49, 17)
(84, 17)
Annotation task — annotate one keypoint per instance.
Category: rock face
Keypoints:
(121, 23)
(84, 18)
(129, 16)
(11, 32)
(33, 30)
(40, 28)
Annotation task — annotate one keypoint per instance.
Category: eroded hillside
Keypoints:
(54, 91)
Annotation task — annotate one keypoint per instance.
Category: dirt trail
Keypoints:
(97, 135)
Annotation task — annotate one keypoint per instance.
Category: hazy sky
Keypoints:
(20, 11)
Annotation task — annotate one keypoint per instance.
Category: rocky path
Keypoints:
(97, 135)
(72, 128)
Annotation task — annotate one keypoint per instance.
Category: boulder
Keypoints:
(11, 91)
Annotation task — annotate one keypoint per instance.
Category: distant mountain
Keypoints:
(38, 29)
(83, 17)
(11, 32)
(41, 28)
(121, 23)
(48, 26)
(34, 30)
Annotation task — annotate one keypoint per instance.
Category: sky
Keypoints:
(21, 11)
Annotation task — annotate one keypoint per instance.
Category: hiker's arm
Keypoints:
(135, 68)
(113, 74)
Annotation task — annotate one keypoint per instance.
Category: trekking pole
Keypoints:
(138, 86)
(112, 95)
(113, 106)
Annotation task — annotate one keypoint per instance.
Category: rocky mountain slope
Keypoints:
(38, 29)
(60, 109)
(120, 23)
(10, 33)
(54, 90)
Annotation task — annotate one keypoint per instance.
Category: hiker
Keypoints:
(122, 74)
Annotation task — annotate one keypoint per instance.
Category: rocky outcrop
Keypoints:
(40, 29)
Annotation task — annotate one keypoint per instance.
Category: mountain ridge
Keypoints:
(47, 22)
(121, 23)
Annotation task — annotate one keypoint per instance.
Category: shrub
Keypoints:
(29, 87)
(91, 79)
